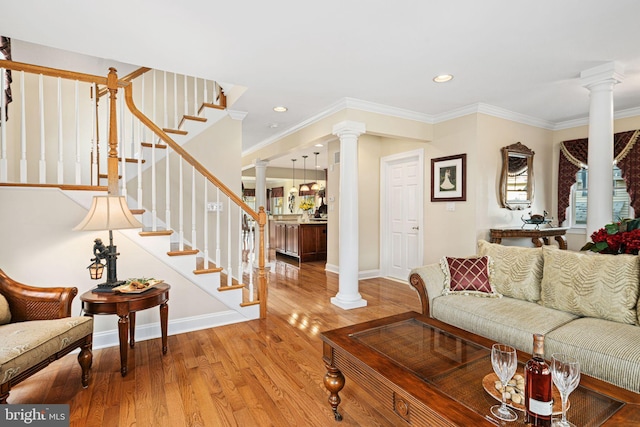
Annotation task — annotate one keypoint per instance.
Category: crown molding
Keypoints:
(372, 107)
(494, 111)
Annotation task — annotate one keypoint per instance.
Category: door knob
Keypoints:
(415, 228)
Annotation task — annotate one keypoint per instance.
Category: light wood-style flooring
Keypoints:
(258, 373)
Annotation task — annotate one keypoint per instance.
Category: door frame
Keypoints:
(385, 226)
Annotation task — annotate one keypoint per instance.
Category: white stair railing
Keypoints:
(119, 130)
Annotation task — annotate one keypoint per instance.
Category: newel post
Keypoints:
(112, 160)
(262, 276)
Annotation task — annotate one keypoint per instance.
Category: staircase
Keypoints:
(192, 221)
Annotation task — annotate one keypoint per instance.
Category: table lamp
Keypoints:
(107, 213)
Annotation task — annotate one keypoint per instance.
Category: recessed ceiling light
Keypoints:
(280, 109)
(442, 78)
(319, 145)
(273, 125)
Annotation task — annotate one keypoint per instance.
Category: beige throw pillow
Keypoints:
(517, 271)
(5, 314)
(592, 285)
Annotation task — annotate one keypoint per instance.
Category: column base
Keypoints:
(348, 305)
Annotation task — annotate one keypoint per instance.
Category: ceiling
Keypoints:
(522, 57)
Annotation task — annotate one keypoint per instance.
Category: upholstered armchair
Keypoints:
(36, 328)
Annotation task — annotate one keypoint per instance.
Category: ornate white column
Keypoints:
(600, 81)
(348, 296)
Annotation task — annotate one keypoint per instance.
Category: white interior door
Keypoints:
(402, 203)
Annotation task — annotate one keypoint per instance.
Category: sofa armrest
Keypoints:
(35, 303)
(429, 282)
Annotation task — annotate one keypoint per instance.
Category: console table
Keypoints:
(537, 236)
(125, 306)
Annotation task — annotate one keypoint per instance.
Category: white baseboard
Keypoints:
(178, 326)
(366, 274)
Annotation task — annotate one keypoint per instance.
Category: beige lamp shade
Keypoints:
(108, 213)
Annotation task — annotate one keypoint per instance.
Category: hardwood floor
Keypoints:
(258, 373)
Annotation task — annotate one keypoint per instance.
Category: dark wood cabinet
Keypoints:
(307, 241)
(313, 242)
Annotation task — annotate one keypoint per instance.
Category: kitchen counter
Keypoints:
(304, 240)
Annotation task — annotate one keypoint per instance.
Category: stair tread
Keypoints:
(209, 105)
(150, 145)
(230, 287)
(196, 118)
(148, 232)
(210, 267)
(186, 250)
(137, 211)
(175, 131)
(131, 160)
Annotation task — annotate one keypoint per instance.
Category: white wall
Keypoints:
(40, 249)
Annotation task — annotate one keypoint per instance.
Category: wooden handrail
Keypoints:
(52, 72)
(128, 94)
(129, 77)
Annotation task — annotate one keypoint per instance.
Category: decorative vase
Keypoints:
(305, 216)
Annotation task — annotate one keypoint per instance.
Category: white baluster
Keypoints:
(164, 102)
(144, 128)
(251, 258)
(205, 225)
(154, 209)
(205, 94)
(60, 141)
(140, 156)
(167, 187)
(121, 149)
(181, 206)
(186, 101)
(193, 207)
(241, 236)
(94, 136)
(78, 154)
(23, 131)
(42, 163)
(195, 96)
(219, 213)
(175, 101)
(3, 132)
(229, 268)
(153, 98)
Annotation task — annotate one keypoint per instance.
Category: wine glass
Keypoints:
(505, 362)
(565, 372)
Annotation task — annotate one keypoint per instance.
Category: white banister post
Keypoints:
(218, 213)
(205, 224)
(94, 136)
(600, 81)
(348, 296)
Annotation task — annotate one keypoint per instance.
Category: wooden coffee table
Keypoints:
(430, 374)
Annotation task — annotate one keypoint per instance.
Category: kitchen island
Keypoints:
(304, 240)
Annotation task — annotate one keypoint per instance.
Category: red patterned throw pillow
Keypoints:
(468, 276)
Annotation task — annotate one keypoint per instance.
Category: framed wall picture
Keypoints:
(449, 178)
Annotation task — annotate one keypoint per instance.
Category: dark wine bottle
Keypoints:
(537, 394)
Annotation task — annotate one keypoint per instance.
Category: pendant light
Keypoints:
(304, 187)
(293, 176)
(316, 186)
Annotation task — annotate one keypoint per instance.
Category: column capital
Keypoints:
(610, 73)
(348, 128)
(259, 163)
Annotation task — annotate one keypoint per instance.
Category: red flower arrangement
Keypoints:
(616, 238)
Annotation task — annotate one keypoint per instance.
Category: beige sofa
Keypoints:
(585, 304)
(36, 329)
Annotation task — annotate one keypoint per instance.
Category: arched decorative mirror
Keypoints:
(516, 180)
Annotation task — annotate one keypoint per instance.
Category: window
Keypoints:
(621, 200)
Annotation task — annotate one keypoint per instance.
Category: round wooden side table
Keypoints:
(125, 305)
